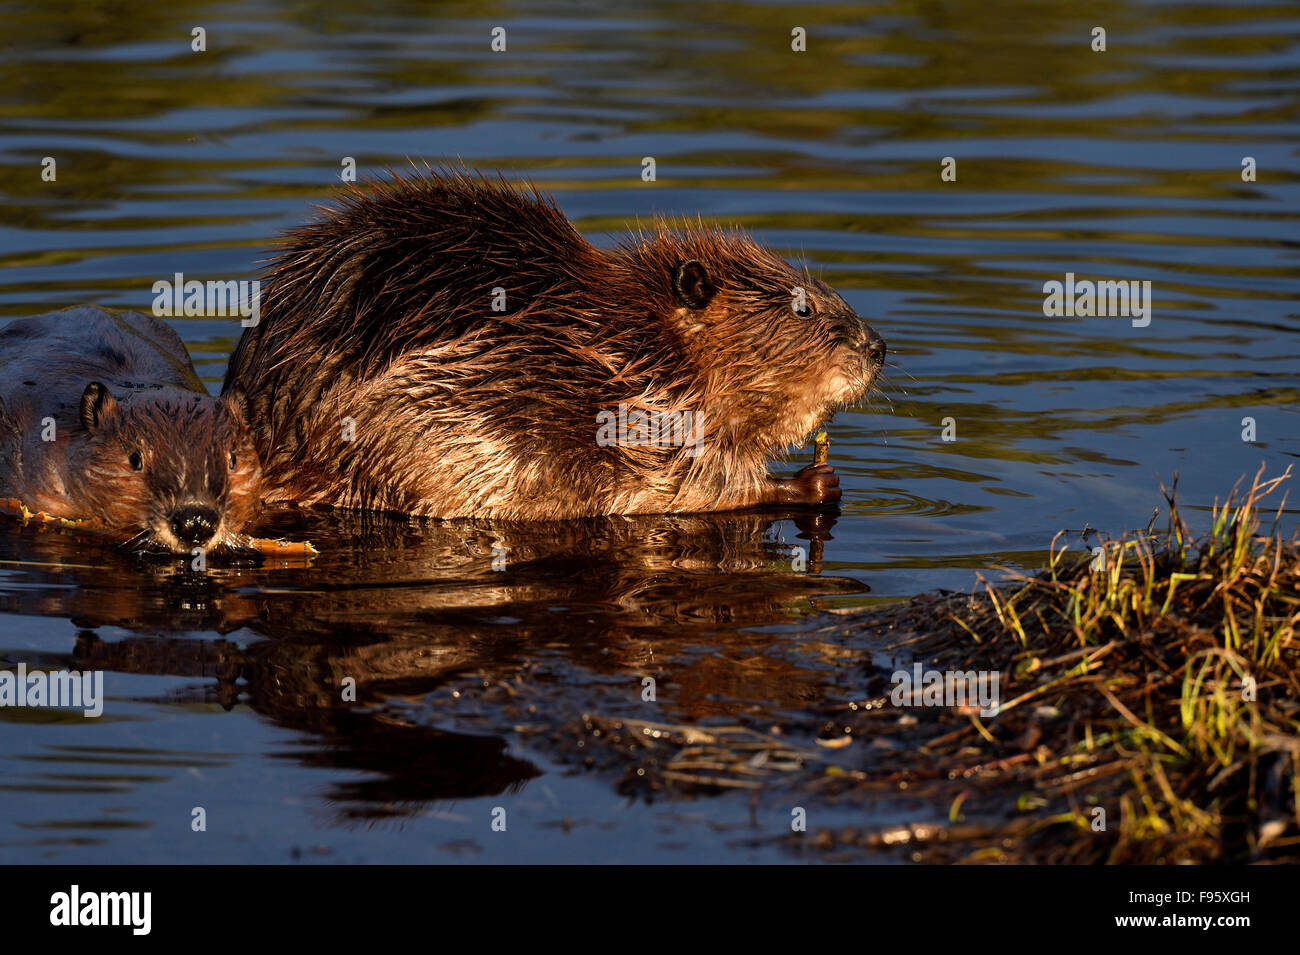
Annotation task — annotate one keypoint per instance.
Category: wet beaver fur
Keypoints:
(102, 417)
(449, 346)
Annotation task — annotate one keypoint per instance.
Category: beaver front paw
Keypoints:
(815, 484)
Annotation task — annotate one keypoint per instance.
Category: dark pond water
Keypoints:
(223, 689)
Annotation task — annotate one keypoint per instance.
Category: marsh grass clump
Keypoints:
(1150, 705)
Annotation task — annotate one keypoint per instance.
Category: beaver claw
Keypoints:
(815, 484)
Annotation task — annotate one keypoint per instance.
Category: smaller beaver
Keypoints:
(450, 346)
(102, 417)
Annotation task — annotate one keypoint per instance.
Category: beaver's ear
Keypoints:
(96, 405)
(693, 285)
(238, 402)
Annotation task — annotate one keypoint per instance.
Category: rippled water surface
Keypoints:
(224, 688)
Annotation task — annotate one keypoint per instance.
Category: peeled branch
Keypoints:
(821, 447)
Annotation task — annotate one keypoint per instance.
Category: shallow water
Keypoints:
(224, 688)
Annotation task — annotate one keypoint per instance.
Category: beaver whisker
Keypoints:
(884, 435)
(134, 539)
(150, 546)
(881, 394)
(897, 367)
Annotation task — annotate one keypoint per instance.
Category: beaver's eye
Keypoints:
(136, 460)
(803, 311)
(234, 461)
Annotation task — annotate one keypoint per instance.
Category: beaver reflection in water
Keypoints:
(103, 418)
(448, 346)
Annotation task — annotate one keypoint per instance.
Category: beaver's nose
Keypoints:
(874, 347)
(194, 525)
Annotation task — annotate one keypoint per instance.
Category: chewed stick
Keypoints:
(282, 548)
(821, 447)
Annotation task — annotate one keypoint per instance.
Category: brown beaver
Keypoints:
(103, 417)
(449, 346)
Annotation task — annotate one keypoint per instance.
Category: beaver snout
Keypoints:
(194, 525)
(874, 348)
(863, 340)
